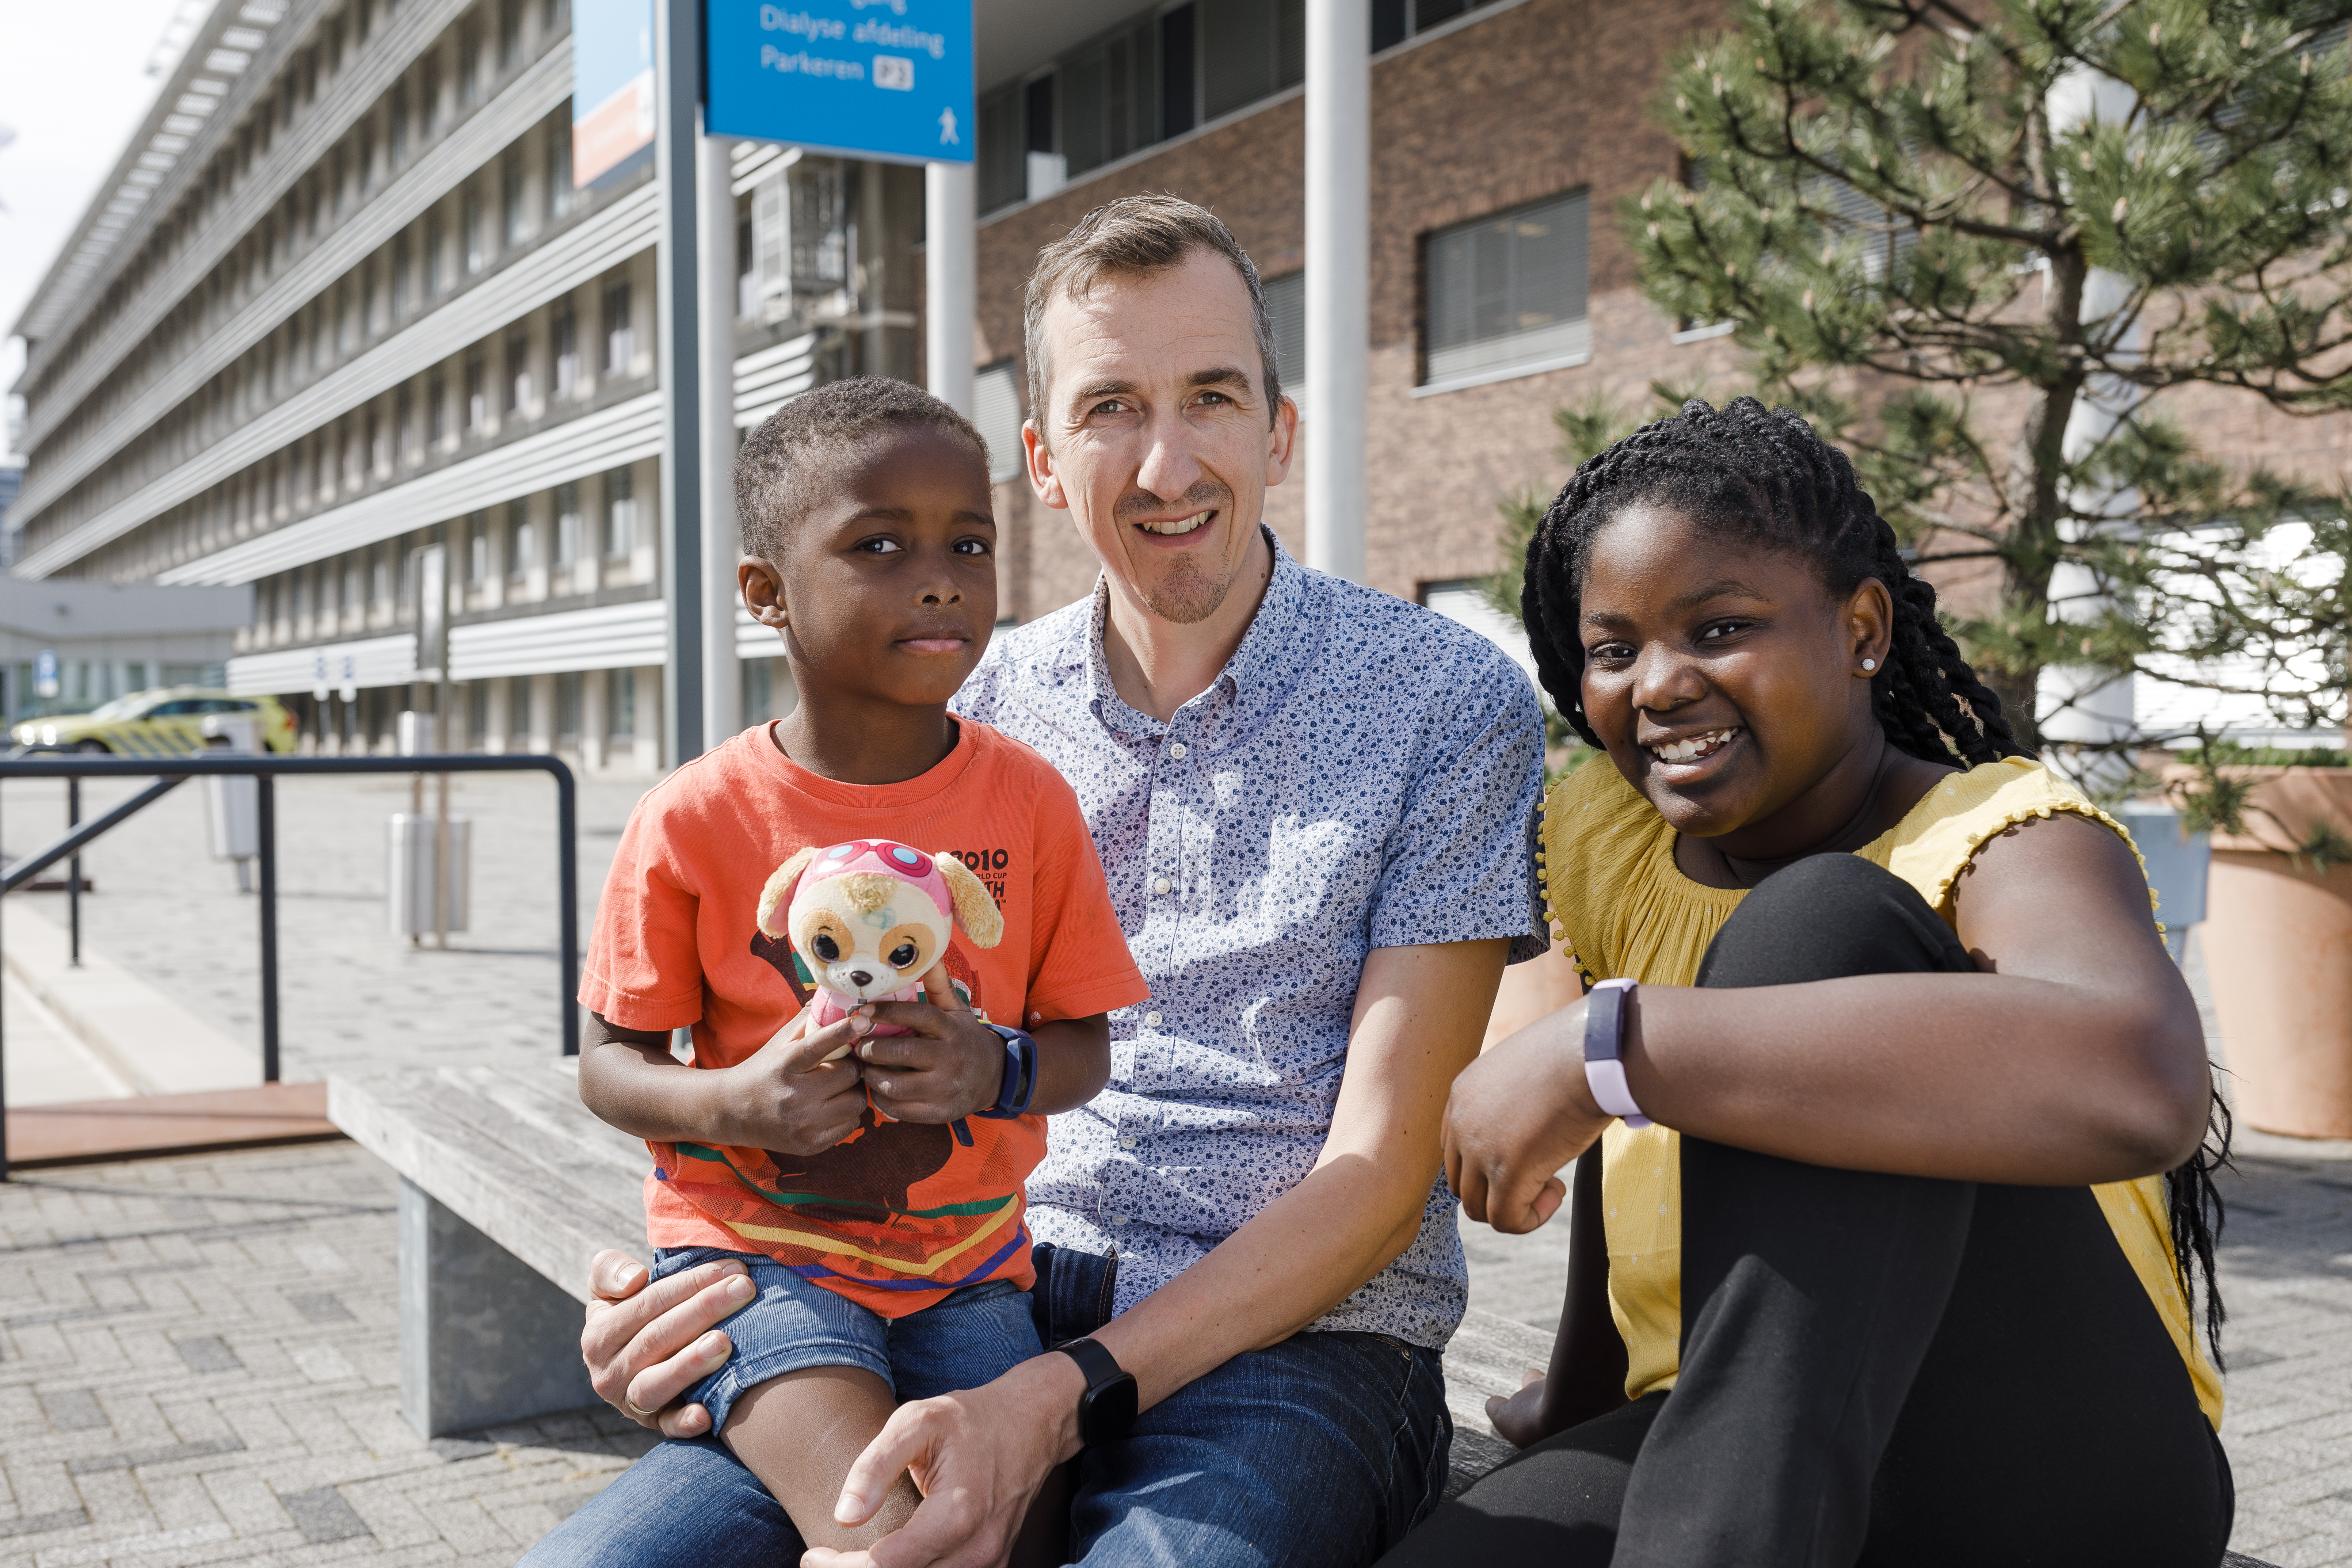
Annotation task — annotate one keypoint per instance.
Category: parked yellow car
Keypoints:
(164, 723)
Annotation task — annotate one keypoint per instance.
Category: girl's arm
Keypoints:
(2075, 1057)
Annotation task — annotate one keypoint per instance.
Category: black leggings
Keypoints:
(1875, 1369)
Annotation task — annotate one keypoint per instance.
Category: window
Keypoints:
(469, 63)
(621, 705)
(620, 342)
(400, 274)
(429, 92)
(1506, 293)
(518, 708)
(996, 410)
(558, 169)
(509, 32)
(620, 514)
(1249, 50)
(519, 387)
(1285, 306)
(567, 706)
(510, 195)
(404, 418)
(471, 230)
(520, 544)
(1110, 98)
(563, 349)
(436, 406)
(477, 549)
(478, 396)
(432, 254)
(759, 688)
(477, 713)
(1394, 21)
(399, 123)
(382, 574)
(567, 526)
(1128, 89)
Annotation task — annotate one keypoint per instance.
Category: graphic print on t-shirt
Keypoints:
(899, 1214)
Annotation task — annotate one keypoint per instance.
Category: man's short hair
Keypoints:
(1134, 236)
(776, 471)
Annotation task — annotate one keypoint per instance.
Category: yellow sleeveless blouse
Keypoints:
(1622, 908)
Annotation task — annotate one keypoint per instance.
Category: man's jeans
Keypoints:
(1320, 1452)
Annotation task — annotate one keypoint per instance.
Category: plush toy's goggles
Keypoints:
(889, 858)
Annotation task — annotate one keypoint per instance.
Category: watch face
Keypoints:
(1109, 1410)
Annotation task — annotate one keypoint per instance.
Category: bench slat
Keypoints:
(469, 1155)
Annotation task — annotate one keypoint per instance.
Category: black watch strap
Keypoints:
(1106, 1409)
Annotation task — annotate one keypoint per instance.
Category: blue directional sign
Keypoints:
(871, 78)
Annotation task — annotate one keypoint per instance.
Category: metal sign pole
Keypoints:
(677, 68)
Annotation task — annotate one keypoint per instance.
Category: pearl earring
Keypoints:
(1869, 664)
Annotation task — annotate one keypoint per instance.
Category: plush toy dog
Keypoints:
(869, 919)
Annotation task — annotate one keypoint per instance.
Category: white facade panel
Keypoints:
(608, 636)
(572, 450)
(372, 661)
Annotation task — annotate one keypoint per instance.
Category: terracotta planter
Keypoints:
(2277, 941)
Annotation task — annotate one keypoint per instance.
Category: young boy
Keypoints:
(890, 1257)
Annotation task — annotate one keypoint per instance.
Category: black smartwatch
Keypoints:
(1106, 1409)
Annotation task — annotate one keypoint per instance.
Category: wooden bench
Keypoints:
(507, 1185)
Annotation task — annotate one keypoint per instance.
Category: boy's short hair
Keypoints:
(773, 469)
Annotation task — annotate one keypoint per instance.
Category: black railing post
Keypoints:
(4, 1099)
(567, 876)
(265, 790)
(73, 873)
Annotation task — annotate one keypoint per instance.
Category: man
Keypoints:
(1311, 802)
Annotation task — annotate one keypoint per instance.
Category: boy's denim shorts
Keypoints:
(965, 1339)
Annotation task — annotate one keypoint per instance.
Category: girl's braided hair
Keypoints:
(1765, 475)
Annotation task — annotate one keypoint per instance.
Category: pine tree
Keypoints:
(1954, 233)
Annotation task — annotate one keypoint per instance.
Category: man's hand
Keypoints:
(789, 1098)
(1517, 1116)
(646, 1344)
(978, 1457)
(950, 1065)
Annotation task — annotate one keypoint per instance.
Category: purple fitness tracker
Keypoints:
(1604, 1044)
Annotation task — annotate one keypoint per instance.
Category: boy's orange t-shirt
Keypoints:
(899, 1212)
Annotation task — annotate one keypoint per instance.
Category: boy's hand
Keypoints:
(950, 1064)
(788, 1098)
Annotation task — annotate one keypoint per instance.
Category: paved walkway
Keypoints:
(198, 1364)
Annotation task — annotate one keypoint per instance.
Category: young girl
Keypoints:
(1898, 1212)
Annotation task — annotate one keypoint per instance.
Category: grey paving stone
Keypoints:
(98, 1462)
(323, 1514)
(73, 1410)
(44, 1523)
(208, 1353)
(320, 1307)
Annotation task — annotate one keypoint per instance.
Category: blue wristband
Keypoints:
(1020, 1074)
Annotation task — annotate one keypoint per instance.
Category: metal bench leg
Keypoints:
(483, 1339)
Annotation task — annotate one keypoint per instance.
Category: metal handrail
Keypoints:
(265, 770)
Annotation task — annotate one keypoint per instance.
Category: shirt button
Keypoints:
(1119, 1219)
(1127, 1142)
(1151, 1018)
(1177, 751)
(1159, 885)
